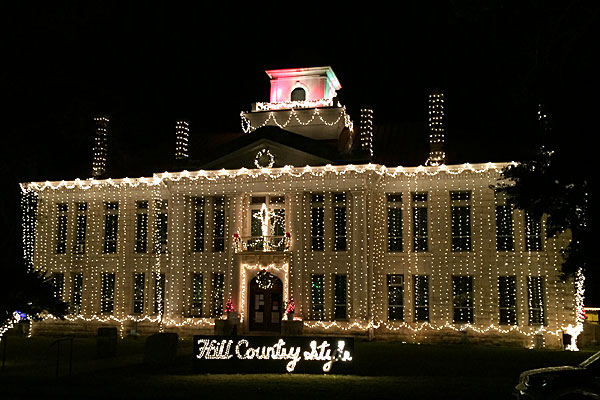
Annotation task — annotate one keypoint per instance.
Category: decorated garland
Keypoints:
(262, 154)
(264, 279)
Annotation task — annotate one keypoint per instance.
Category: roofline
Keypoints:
(212, 175)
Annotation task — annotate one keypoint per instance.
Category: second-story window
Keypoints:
(339, 222)
(420, 224)
(162, 228)
(394, 222)
(61, 228)
(533, 233)
(460, 206)
(317, 222)
(81, 228)
(111, 226)
(504, 223)
(199, 204)
(219, 224)
(141, 228)
(267, 223)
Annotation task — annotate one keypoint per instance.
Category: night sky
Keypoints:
(145, 66)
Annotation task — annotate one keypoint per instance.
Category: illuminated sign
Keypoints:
(273, 354)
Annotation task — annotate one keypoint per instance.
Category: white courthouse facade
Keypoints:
(428, 253)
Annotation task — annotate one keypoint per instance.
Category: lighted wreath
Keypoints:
(264, 159)
(265, 280)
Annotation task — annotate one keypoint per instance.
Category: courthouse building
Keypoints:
(295, 209)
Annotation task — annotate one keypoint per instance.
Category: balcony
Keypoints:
(261, 243)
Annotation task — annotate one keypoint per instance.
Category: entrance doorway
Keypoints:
(265, 303)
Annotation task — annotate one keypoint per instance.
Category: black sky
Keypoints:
(145, 65)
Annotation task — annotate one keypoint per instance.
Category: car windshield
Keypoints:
(590, 360)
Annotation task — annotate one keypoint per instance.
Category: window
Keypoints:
(199, 204)
(141, 223)
(111, 225)
(317, 292)
(420, 225)
(395, 283)
(394, 222)
(339, 221)
(219, 224)
(218, 293)
(460, 204)
(197, 292)
(317, 222)
(507, 299)
(81, 228)
(535, 295)
(267, 223)
(107, 304)
(159, 294)
(162, 228)
(298, 94)
(504, 223)
(533, 233)
(61, 228)
(76, 292)
(340, 297)
(139, 282)
(421, 297)
(58, 283)
(463, 299)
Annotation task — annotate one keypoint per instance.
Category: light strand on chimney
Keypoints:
(100, 151)
(366, 130)
(437, 156)
(182, 134)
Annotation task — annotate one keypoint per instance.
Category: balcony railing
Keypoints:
(261, 243)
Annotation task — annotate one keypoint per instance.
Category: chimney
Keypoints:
(100, 147)
(437, 156)
(366, 130)
(182, 134)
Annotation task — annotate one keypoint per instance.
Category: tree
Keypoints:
(549, 185)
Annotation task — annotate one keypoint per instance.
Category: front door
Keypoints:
(265, 303)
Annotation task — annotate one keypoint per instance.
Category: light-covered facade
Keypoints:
(383, 232)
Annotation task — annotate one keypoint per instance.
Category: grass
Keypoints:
(383, 370)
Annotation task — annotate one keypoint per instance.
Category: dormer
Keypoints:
(303, 101)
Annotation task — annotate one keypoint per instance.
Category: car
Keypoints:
(581, 381)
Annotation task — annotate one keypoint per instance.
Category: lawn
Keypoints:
(382, 370)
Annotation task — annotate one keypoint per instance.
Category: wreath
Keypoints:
(264, 280)
(263, 156)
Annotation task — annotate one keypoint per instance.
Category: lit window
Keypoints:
(535, 295)
(340, 300)
(507, 299)
(420, 224)
(394, 222)
(395, 284)
(463, 299)
(317, 297)
(421, 297)
(139, 281)
(461, 220)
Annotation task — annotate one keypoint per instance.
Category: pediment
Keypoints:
(265, 150)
